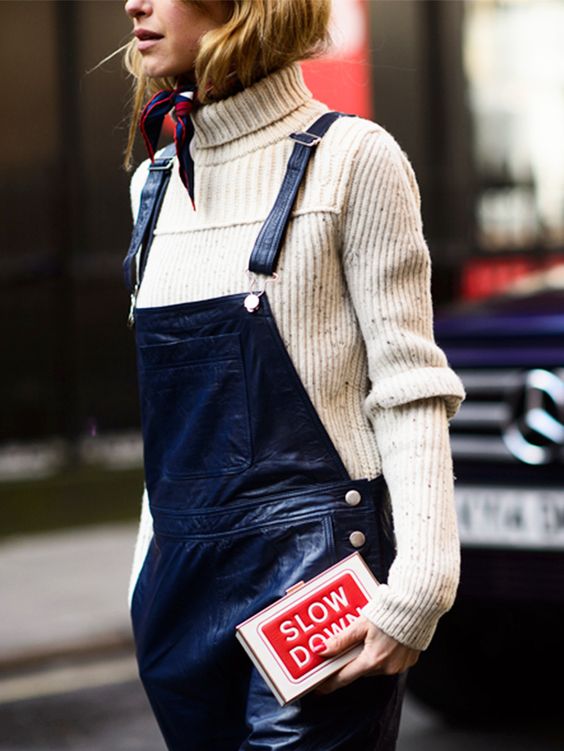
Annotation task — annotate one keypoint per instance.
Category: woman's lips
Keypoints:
(146, 39)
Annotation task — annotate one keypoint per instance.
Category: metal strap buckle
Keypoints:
(252, 300)
(306, 139)
(160, 165)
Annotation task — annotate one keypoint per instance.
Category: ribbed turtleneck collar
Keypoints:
(259, 106)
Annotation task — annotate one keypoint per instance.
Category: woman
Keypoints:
(271, 419)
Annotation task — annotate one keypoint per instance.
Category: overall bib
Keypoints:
(248, 496)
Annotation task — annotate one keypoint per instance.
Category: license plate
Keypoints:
(510, 517)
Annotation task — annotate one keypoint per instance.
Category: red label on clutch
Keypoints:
(298, 633)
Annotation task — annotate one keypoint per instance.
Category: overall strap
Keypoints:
(269, 241)
(151, 200)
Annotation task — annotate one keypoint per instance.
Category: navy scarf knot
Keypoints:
(182, 100)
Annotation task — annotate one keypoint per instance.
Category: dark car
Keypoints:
(500, 647)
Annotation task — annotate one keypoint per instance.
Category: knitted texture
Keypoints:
(352, 304)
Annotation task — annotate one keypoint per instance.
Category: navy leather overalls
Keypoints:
(248, 496)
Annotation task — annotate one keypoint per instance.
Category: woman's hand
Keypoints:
(381, 655)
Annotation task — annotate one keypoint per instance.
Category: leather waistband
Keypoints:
(252, 514)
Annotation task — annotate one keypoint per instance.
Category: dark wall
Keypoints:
(66, 220)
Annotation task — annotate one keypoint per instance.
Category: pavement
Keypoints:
(64, 594)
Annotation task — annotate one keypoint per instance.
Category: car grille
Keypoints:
(494, 403)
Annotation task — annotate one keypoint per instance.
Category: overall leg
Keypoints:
(363, 716)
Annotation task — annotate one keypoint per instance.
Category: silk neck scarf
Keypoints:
(182, 100)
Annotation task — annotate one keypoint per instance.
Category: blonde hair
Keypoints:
(260, 36)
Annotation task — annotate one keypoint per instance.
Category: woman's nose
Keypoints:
(136, 8)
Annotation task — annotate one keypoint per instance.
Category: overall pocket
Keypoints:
(194, 408)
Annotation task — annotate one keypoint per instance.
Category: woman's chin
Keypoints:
(155, 68)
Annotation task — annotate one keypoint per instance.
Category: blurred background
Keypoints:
(474, 92)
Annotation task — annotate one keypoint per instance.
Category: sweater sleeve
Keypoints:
(387, 265)
(416, 462)
(144, 536)
(412, 390)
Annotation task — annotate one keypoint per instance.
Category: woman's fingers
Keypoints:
(346, 639)
(381, 655)
(349, 673)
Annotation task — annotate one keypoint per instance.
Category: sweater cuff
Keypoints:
(419, 383)
(406, 622)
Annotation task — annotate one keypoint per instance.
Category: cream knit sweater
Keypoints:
(352, 304)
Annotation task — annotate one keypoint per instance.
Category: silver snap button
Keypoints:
(251, 302)
(357, 539)
(353, 497)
